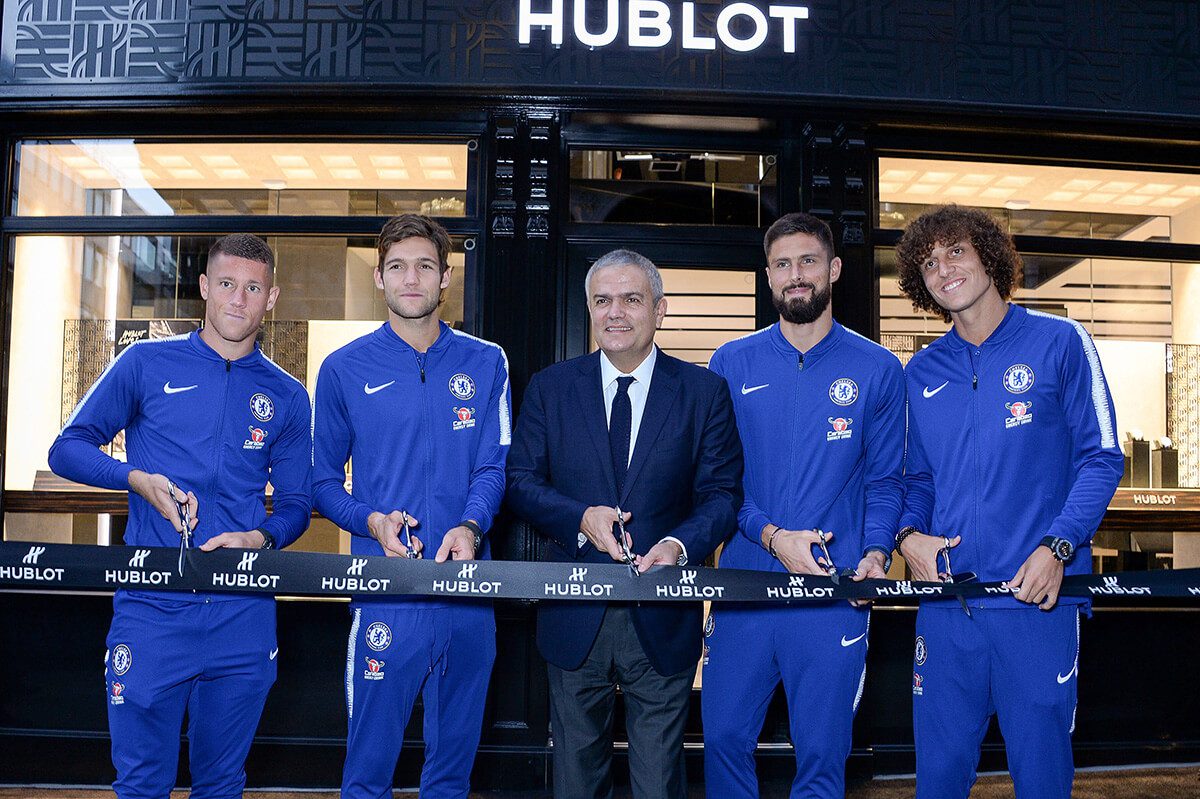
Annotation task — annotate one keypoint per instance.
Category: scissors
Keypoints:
(624, 546)
(834, 573)
(185, 538)
(412, 553)
(948, 575)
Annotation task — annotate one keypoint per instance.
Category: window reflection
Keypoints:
(687, 188)
(83, 177)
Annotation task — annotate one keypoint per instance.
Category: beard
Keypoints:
(800, 311)
(420, 312)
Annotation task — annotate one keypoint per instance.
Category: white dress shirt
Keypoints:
(639, 390)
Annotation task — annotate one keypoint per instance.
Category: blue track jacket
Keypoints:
(215, 427)
(427, 433)
(1010, 441)
(823, 434)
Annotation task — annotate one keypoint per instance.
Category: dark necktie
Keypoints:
(620, 424)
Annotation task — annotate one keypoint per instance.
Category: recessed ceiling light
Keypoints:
(898, 175)
(338, 161)
(95, 174)
(1169, 202)
(1062, 196)
(231, 174)
(961, 191)
(936, 177)
(996, 193)
(1133, 199)
(223, 161)
(439, 174)
(434, 161)
(185, 174)
(291, 161)
(1080, 185)
(1098, 197)
(300, 174)
(1119, 186)
(924, 188)
(1187, 191)
(976, 179)
(1156, 188)
(393, 174)
(387, 161)
(173, 161)
(1014, 181)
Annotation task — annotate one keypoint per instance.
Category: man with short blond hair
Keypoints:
(208, 419)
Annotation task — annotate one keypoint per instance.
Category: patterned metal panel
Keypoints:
(1068, 54)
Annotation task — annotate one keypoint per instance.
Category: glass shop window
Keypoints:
(679, 188)
(1142, 314)
(108, 177)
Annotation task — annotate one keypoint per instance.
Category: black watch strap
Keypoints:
(476, 529)
(268, 540)
(1062, 549)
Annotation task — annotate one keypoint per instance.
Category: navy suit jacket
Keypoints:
(684, 480)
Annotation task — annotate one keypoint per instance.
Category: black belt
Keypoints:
(79, 567)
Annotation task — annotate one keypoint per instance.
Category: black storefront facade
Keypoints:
(552, 132)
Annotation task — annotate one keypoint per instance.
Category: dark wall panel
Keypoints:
(1062, 54)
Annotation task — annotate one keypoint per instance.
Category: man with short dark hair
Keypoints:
(1012, 458)
(422, 411)
(820, 410)
(208, 419)
(631, 434)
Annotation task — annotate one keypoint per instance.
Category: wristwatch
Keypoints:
(268, 540)
(476, 530)
(1062, 549)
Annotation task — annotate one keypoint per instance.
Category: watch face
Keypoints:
(1063, 549)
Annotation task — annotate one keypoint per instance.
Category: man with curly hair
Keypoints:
(1012, 458)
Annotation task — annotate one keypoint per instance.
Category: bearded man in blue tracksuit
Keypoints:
(1012, 460)
(820, 411)
(208, 419)
(422, 411)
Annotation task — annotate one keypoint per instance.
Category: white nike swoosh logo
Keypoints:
(927, 393)
(169, 389)
(370, 389)
(1063, 678)
(852, 641)
(752, 389)
(274, 652)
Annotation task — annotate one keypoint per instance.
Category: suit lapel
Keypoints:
(664, 385)
(591, 400)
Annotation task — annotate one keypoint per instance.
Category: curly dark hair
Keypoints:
(946, 225)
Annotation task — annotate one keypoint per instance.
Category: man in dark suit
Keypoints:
(628, 427)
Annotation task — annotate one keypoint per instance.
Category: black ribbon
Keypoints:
(77, 567)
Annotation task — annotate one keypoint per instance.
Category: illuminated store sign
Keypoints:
(647, 23)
